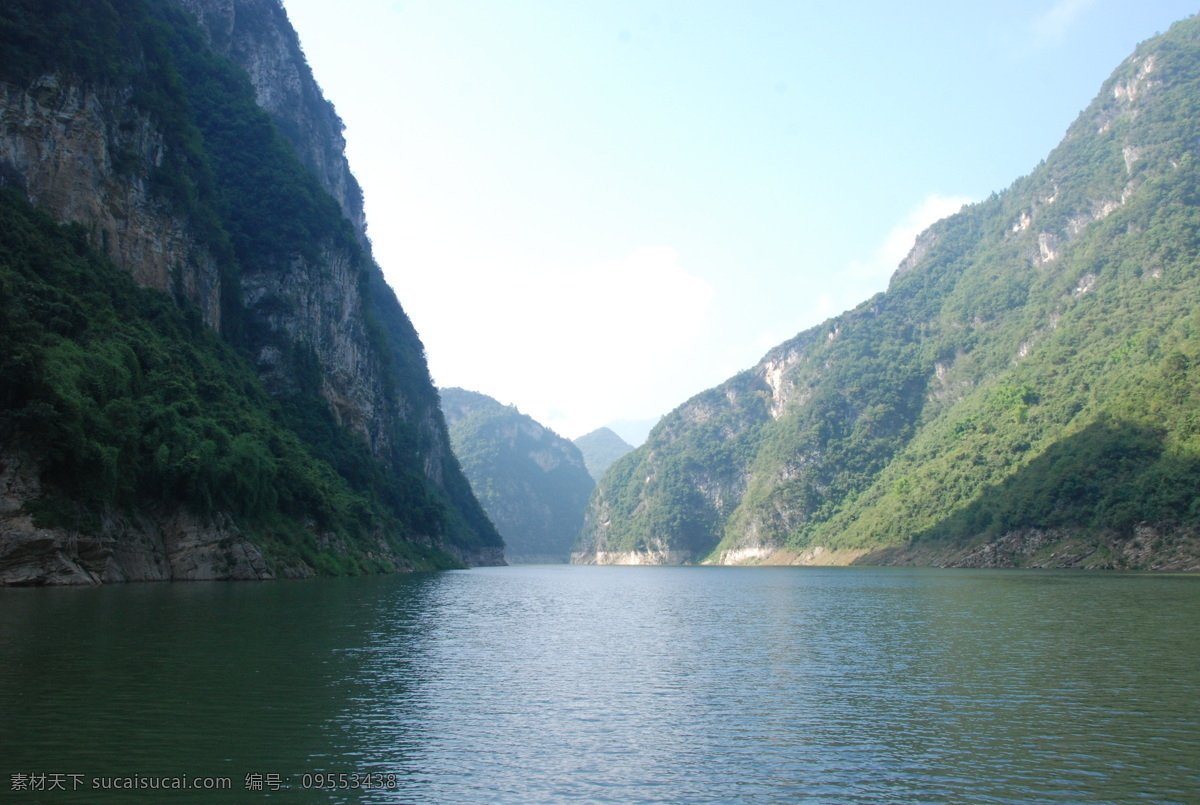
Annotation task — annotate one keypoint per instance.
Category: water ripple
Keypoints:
(622, 685)
(758, 685)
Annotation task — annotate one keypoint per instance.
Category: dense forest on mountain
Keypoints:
(132, 400)
(532, 482)
(1025, 392)
(122, 395)
(600, 449)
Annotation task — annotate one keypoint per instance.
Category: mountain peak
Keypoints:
(600, 449)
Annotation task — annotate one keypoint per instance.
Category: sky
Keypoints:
(595, 209)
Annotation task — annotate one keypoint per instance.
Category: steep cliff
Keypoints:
(68, 146)
(256, 36)
(532, 482)
(224, 187)
(1024, 393)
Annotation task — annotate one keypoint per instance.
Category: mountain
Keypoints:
(206, 375)
(1026, 392)
(532, 482)
(600, 449)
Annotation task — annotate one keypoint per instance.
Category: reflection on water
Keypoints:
(558, 684)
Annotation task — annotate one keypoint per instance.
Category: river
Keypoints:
(560, 684)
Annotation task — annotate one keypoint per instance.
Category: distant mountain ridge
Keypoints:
(600, 449)
(1026, 392)
(532, 482)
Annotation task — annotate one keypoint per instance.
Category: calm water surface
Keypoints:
(612, 685)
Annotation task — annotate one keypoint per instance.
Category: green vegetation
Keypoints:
(600, 449)
(654, 492)
(128, 400)
(1036, 368)
(531, 481)
(131, 402)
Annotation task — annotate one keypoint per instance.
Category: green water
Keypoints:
(575, 684)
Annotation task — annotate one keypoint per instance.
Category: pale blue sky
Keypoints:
(594, 210)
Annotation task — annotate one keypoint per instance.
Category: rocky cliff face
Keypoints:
(256, 35)
(998, 390)
(314, 301)
(86, 155)
(159, 168)
(175, 545)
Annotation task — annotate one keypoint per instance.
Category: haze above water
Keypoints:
(594, 211)
(582, 684)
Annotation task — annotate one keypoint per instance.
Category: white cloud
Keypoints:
(871, 275)
(649, 286)
(590, 340)
(1052, 24)
(824, 306)
(577, 346)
